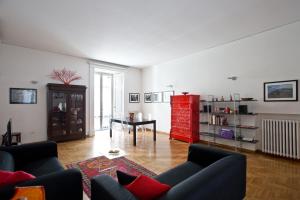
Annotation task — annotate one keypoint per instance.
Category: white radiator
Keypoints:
(281, 137)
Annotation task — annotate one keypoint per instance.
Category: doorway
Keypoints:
(108, 97)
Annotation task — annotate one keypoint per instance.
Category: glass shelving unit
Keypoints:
(217, 118)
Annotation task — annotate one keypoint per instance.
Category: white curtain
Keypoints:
(118, 97)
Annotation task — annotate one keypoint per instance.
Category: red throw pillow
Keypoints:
(9, 178)
(146, 188)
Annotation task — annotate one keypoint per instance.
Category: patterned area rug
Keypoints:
(102, 165)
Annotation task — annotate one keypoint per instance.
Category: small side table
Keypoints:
(17, 136)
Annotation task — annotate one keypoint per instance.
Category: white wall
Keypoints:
(269, 56)
(19, 66)
(132, 84)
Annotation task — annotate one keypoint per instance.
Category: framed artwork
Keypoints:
(134, 97)
(281, 91)
(22, 96)
(148, 97)
(156, 97)
(167, 96)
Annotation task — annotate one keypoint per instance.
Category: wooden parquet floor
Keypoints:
(268, 177)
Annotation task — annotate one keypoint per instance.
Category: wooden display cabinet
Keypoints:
(66, 112)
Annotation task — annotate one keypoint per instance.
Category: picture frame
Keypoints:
(134, 97)
(167, 96)
(22, 96)
(281, 91)
(148, 97)
(156, 97)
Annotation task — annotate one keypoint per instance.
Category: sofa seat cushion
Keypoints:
(43, 166)
(178, 174)
(7, 162)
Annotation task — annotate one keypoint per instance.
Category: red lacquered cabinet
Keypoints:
(185, 118)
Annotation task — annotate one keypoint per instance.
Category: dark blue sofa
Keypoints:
(40, 159)
(209, 173)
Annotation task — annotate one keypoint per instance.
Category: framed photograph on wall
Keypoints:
(148, 97)
(167, 96)
(134, 97)
(22, 96)
(156, 97)
(281, 91)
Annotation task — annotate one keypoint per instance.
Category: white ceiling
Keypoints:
(138, 33)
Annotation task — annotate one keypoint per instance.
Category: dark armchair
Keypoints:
(40, 159)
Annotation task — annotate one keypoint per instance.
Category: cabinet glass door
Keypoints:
(58, 113)
(76, 113)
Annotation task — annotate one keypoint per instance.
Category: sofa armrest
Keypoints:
(30, 152)
(204, 155)
(223, 180)
(6, 192)
(66, 184)
(106, 188)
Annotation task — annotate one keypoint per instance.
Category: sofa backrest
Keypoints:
(7, 162)
(205, 155)
(225, 179)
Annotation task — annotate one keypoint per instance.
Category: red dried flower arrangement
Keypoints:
(65, 76)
